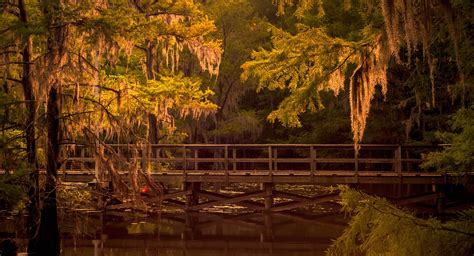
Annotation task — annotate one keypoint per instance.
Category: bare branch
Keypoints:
(11, 79)
(75, 114)
(13, 126)
(15, 63)
(85, 60)
(97, 86)
(8, 52)
(5, 30)
(14, 102)
(140, 47)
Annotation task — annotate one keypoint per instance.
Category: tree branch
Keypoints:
(98, 86)
(11, 79)
(415, 220)
(15, 63)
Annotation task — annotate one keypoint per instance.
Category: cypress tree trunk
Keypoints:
(30, 126)
(153, 131)
(48, 234)
(49, 240)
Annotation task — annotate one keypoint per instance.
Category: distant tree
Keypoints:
(240, 27)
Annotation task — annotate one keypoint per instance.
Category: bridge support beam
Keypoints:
(268, 218)
(192, 194)
(441, 200)
(268, 190)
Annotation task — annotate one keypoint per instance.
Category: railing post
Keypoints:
(185, 167)
(143, 160)
(312, 163)
(234, 158)
(196, 156)
(275, 157)
(158, 162)
(399, 166)
(147, 157)
(226, 163)
(398, 161)
(97, 170)
(270, 160)
(83, 166)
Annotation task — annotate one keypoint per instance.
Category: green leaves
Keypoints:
(13, 187)
(302, 100)
(242, 126)
(75, 196)
(459, 156)
(127, 100)
(304, 64)
(182, 93)
(379, 228)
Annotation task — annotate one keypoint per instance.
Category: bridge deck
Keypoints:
(297, 177)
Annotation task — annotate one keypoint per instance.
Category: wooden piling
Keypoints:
(268, 189)
(192, 196)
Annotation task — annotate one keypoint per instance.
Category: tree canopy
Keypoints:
(81, 73)
(326, 49)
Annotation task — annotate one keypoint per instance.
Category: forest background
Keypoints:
(308, 71)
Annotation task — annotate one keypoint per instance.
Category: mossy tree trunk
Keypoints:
(30, 127)
(49, 240)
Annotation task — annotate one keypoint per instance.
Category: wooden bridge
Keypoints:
(394, 166)
(275, 163)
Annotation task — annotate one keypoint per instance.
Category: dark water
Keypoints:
(201, 234)
(173, 234)
(222, 230)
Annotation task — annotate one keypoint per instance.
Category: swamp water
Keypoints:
(222, 230)
(204, 234)
(191, 234)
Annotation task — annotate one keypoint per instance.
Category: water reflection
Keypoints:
(210, 234)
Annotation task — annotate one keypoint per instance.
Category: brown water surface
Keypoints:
(173, 234)
(200, 234)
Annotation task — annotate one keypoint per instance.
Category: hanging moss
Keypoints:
(314, 59)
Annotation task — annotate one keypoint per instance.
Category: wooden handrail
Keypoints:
(277, 157)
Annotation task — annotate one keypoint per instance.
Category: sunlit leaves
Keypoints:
(125, 102)
(351, 34)
(305, 64)
(74, 196)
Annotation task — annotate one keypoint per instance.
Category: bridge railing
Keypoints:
(272, 159)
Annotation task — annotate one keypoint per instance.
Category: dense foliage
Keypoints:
(459, 155)
(359, 45)
(77, 73)
(379, 228)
